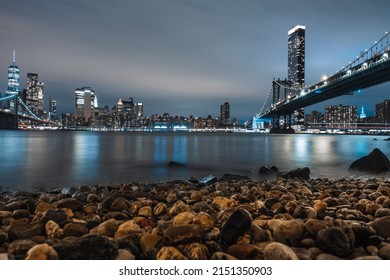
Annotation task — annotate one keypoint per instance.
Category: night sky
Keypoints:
(185, 57)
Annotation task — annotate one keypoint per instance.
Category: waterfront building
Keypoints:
(85, 103)
(225, 114)
(34, 94)
(382, 112)
(296, 65)
(52, 109)
(339, 116)
(13, 79)
(314, 118)
(139, 113)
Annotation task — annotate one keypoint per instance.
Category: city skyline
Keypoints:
(183, 57)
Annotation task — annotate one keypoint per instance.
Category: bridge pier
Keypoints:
(8, 121)
(286, 129)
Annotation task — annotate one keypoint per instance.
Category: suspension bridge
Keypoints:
(15, 114)
(370, 68)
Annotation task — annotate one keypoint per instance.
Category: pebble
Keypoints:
(25, 231)
(170, 253)
(384, 252)
(203, 219)
(196, 251)
(283, 231)
(381, 226)
(183, 218)
(222, 256)
(107, 228)
(75, 229)
(238, 223)
(124, 254)
(53, 230)
(19, 248)
(245, 252)
(42, 252)
(182, 235)
(149, 244)
(159, 209)
(334, 241)
(279, 251)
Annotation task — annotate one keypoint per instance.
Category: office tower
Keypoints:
(85, 103)
(225, 113)
(52, 109)
(296, 64)
(382, 111)
(139, 113)
(341, 116)
(33, 90)
(128, 113)
(13, 79)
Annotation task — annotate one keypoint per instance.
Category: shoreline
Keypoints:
(225, 219)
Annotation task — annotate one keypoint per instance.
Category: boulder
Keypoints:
(234, 177)
(268, 172)
(300, 173)
(376, 162)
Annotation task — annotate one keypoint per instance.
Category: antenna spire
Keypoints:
(14, 58)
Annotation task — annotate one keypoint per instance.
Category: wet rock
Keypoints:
(107, 228)
(42, 252)
(124, 254)
(19, 248)
(57, 215)
(159, 209)
(75, 229)
(70, 203)
(279, 251)
(177, 208)
(384, 252)
(92, 220)
(21, 213)
(176, 164)
(222, 256)
(211, 179)
(381, 226)
(170, 253)
(196, 251)
(234, 177)
(204, 220)
(268, 172)
(238, 223)
(376, 162)
(196, 196)
(53, 230)
(334, 241)
(120, 204)
(25, 231)
(146, 211)
(126, 228)
(150, 245)
(89, 247)
(245, 252)
(182, 235)
(183, 218)
(300, 173)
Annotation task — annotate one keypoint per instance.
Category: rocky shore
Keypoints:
(223, 219)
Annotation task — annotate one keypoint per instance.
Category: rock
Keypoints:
(375, 163)
(19, 248)
(288, 230)
(234, 177)
(384, 252)
(224, 202)
(333, 240)
(245, 251)
(196, 251)
(145, 211)
(89, 247)
(159, 209)
(127, 228)
(313, 226)
(177, 208)
(196, 196)
(204, 220)
(268, 172)
(25, 231)
(170, 253)
(53, 230)
(183, 218)
(381, 226)
(120, 204)
(176, 164)
(75, 229)
(300, 173)
(211, 179)
(327, 257)
(21, 213)
(70, 203)
(279, 251)
(382, 213)
(42, 252)
(222, 256)
(320, 206)
(57, 215)
(124, 254)
(149, 244)
(182, 235)
(107, 228)
(237, 224)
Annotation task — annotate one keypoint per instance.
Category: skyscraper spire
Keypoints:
(14, 58)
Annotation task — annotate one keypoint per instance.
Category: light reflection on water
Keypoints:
(57, 159)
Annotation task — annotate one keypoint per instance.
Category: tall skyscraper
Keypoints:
(85, 103)
(13, 79)
(296, 64)
(34, 92)
(225, 113)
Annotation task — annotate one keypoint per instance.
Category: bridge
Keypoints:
(17, 115)
(370, 68)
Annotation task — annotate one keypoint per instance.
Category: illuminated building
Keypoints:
(13, 79)
(52, 109)
(296, 64)
(225, 113)
(382, 112)
(35, 94)
(341, 116)
(85, 103)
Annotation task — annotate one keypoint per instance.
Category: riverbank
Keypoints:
(238, 219)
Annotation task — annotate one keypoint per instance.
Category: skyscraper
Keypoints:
(225, 113)
(85, 103)
(13, 79)
(296, 64)
(34, 89)
(52, 109)
(382, 112)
